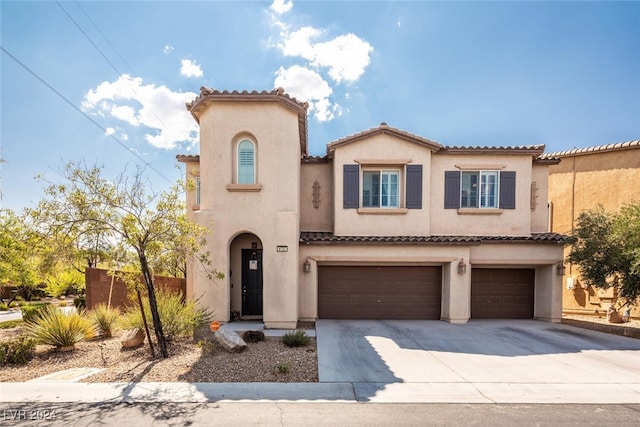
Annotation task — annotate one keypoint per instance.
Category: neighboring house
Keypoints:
(386, 225)
(607, 175)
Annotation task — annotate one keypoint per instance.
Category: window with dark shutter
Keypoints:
(414, 187)
(350, 186)
(451, 189)
(507, 190)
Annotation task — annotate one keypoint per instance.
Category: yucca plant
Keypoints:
(179, 318)
(59, 329)
(105, 319)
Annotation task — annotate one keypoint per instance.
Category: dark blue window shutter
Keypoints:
(507, 190)
(351, 186)
(414, 186)
(451, 189)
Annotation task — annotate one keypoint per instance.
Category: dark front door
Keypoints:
(251, 282)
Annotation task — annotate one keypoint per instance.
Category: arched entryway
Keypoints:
(246, 276)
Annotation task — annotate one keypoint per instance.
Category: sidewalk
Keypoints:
(462, 392)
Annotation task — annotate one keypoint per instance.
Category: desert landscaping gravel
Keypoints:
(263, 361)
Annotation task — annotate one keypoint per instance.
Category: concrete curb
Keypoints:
(489, 393)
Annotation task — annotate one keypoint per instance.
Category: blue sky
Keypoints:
(563, 74)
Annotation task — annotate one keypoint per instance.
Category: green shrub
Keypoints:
(178, 318)
(59, 329)
(4, 306)
(253, 336)
(298, 338)
(281, 368)
(80, 303)
(31, 312)
(8, 324)
(105, 319)
(17, 351)
(65, 282)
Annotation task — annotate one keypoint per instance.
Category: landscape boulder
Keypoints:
(132, 338)
(230, 340)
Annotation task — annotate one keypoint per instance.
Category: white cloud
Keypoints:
(346, 56)
(342, 59)
(167, 49)
(145, 105)
(189, 68)
(109, 131)
(281, 6)
(307, 85)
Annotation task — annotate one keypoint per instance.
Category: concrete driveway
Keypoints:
(495, 360)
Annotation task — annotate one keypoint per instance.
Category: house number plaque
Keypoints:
(282, 248)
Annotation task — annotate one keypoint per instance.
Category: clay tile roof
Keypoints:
(628, 145)
(208, 95)
(309, 237)
(383, 128)
(188, 158)
(535, 150)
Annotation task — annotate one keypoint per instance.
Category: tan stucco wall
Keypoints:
(516, 222)
(349, 222)
(320, 218)
(581, 182)
(272, 214)
(539, 197)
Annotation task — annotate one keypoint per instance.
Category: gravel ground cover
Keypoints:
(264, 361)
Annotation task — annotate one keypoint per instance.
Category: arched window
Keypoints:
(246, 162)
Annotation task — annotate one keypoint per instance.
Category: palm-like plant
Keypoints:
(105, 319)
(59, 329)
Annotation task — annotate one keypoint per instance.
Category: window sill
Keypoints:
(382, 211)
(476, 211)
(195, 207)
(244, 187)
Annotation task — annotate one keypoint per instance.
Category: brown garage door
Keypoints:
(369, 292)
(500, 293)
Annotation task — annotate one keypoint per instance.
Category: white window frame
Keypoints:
(382, 173)
(483, 196)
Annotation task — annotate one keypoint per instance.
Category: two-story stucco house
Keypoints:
(386, 225)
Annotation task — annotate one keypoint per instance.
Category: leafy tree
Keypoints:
(606, 247)
(17, 261)
(126, 214)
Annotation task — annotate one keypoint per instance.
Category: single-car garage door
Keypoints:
(385, 292)
(502, 293)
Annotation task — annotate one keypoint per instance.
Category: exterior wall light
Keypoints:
(560, 268)
(462, 267)
(306, 267)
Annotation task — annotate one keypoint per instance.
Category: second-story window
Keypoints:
(380, 189)
(246, 162)
(479, 189)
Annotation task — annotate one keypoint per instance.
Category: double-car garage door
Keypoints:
(379, 292)
(415, 292)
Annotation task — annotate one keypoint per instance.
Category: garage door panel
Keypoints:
(502, 293)
(371, 292)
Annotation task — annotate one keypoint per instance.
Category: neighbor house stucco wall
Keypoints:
(316, 216)
(607, 176)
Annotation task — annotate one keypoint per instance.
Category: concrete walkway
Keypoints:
(502, 362)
